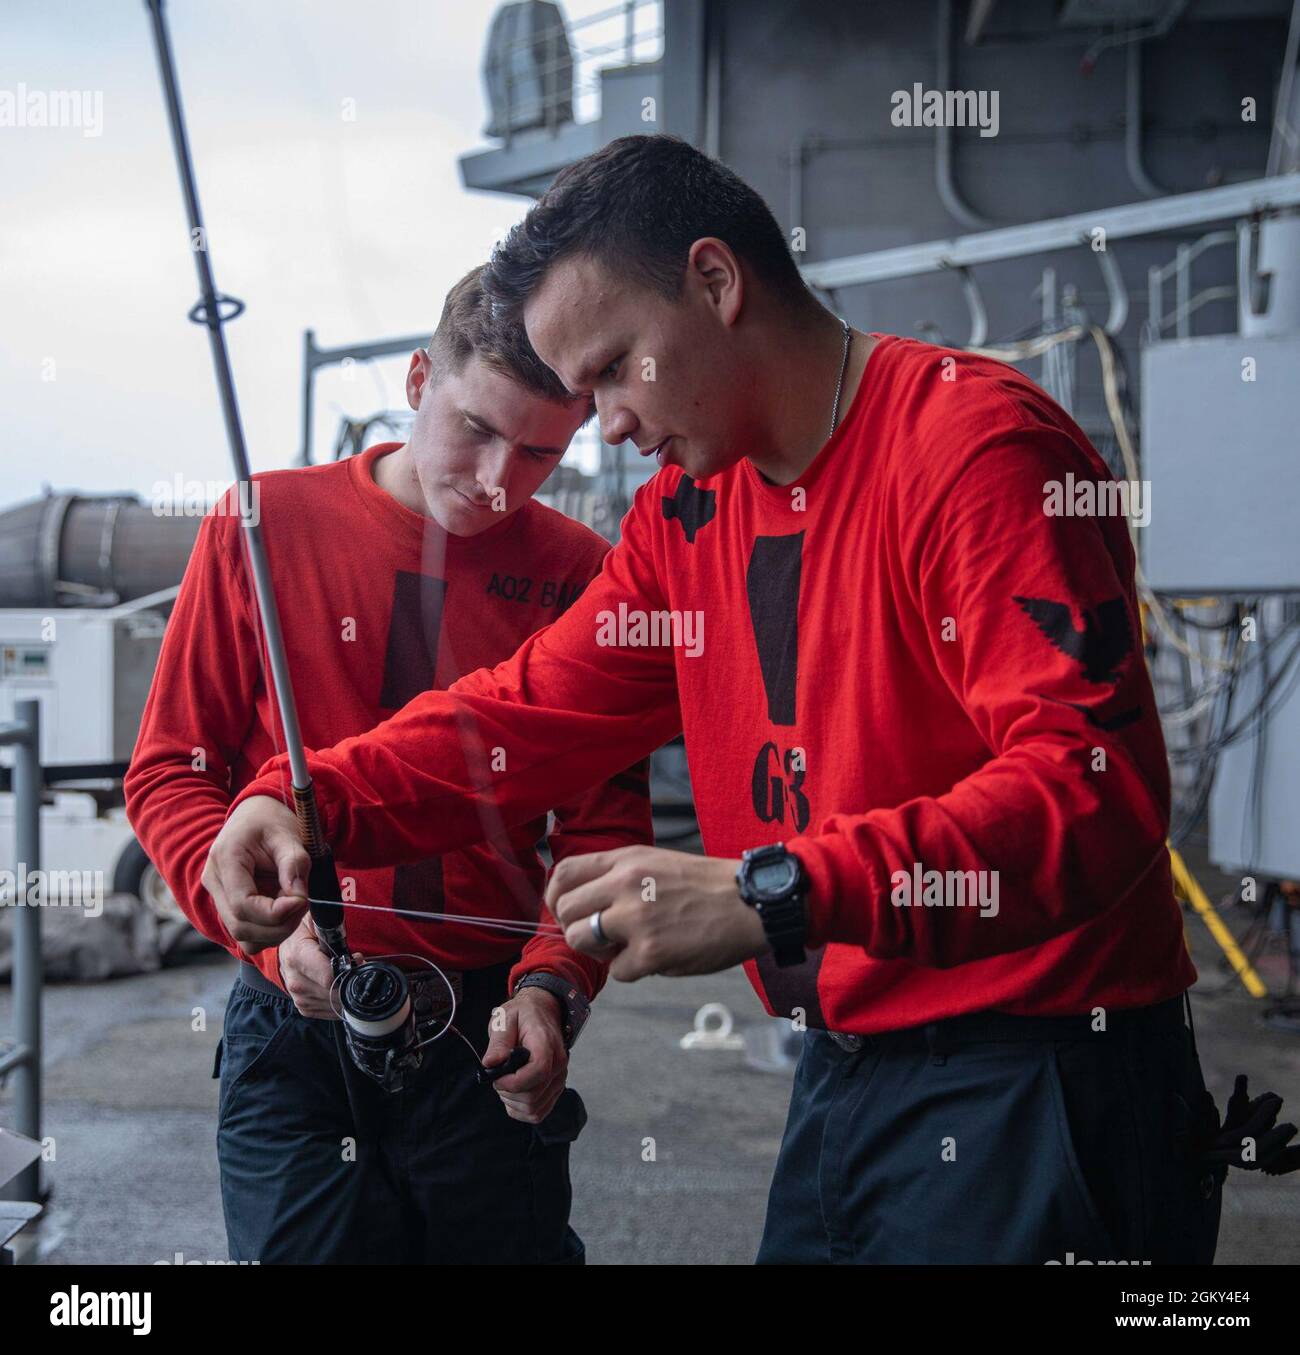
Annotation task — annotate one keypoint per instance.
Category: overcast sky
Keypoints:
(352, 228)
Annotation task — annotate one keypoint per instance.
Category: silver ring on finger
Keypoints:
(598, 931)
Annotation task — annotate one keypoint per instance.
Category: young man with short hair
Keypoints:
(927, 763)
(397, 571)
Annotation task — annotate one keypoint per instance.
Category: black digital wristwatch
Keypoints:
(773, 883)
(576, 1007)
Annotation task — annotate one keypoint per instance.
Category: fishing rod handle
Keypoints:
(310, 828)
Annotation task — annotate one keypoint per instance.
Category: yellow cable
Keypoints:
(1196, 896)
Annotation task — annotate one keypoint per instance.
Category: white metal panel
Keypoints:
(1222, 453)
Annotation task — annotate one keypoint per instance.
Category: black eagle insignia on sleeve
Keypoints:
(1100, 647)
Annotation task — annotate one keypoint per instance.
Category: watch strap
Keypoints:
(573, 1002)
(784, 919)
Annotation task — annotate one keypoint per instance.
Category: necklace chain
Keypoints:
(839, 385)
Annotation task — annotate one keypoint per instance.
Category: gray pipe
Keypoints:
(1142, 181)
(90, 550)
(944, 177)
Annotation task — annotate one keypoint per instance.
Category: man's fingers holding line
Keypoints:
(260, 910)
(574, 871)
(292, 864)
(258, 921)
(582, 900)
(580, 936)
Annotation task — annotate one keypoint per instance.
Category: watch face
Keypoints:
(770, 879)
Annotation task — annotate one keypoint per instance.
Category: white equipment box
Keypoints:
(1221, 448)
(90, 668)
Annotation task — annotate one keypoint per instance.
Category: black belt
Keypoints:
(254, 978)
(1003, 1028)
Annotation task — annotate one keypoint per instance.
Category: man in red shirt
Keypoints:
(927, 762)
(400, 569)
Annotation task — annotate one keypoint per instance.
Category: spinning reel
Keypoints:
(374, 1001)
(386, 1034)
(385, 1027)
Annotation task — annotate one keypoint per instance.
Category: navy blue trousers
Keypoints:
(996, 1140)
(436, 1173)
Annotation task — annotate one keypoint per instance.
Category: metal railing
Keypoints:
(23, 1060)
(314, 357)
(1245, 204)
(626, 34)
(1176, 212)
(1179, 268)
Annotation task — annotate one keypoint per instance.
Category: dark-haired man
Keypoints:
(925, 754)
(407, 566)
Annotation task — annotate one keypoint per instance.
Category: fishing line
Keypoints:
(520, 925)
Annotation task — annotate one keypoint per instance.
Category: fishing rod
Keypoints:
(379, 1024)
(214, 310)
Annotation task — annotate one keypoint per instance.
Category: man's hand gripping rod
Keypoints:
(213, 310)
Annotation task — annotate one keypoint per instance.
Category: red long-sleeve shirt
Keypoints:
(907, 666)
(377, 605)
